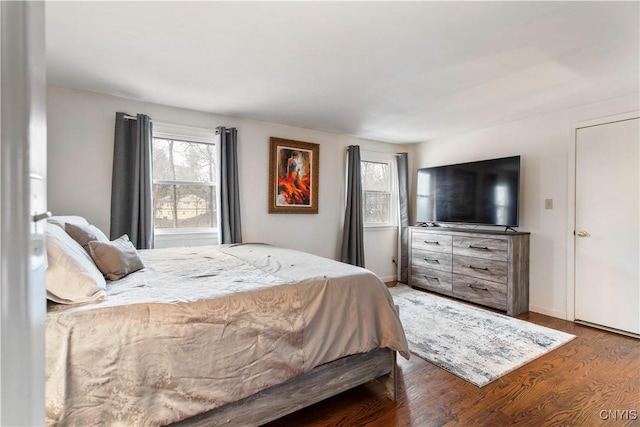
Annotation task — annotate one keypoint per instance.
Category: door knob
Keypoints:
(41, 216)
(582, 233)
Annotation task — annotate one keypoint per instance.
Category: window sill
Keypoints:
(184, 231)
(380, 227)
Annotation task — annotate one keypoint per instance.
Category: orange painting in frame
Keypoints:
(293, 176)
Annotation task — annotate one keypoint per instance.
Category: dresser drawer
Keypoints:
(480, 291)
(431, 242)
(481, 247)
(482, 268)
(485, 267)
(433, 280)
(429, 259)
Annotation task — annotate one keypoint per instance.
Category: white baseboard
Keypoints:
(389, 279)
(549, 312)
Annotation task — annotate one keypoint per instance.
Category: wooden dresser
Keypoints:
(485, 267)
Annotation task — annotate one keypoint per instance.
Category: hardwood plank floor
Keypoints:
(593, 380)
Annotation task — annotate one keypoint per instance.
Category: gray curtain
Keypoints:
(230, 228)
(353, 231)
(131, 182)
(403, 193)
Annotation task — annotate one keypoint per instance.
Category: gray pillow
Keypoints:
(83, 234)
(115, 259)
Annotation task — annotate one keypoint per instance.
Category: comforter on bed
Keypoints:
(201, 327)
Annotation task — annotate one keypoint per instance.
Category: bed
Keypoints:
(230, 334)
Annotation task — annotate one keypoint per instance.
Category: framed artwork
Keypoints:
(293, 176)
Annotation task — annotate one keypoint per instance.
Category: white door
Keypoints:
(23, 197)
(607, 242)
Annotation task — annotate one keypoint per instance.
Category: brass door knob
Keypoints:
(582, 233)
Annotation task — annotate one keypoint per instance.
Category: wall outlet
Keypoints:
(548, 203)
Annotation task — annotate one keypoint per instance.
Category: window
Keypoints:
(184, 180)
(378, 187)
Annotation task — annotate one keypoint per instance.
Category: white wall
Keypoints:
(543, 142)
(80, 153)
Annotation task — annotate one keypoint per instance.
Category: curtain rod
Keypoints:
(128, 117)
(377, 152)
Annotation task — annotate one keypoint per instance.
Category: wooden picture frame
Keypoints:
(294, 168)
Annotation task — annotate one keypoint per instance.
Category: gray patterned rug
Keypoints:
(477, 345)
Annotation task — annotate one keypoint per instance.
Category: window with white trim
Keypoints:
(379, 189)
(184, 180)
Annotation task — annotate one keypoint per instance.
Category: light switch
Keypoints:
(548, 203)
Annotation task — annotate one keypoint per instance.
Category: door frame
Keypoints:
(23, 308)
(571, 200)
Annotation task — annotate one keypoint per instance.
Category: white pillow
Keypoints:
(71, 219)
(71, 276)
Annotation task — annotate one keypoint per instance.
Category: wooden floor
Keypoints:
(593, 380)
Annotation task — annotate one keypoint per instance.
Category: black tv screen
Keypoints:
(484, 192)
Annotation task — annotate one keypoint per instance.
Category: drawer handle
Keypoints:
(478, 288)
(479, 247)
(431, 278)
(478, 268)
(430, 242)
(432, 260)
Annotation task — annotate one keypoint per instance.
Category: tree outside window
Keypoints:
(184, 190)
(377, 193)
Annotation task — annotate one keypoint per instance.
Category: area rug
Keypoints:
(477, 345)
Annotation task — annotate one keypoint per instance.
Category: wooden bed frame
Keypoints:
(318, 384)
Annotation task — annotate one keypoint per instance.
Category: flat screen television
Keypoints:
(484, 193)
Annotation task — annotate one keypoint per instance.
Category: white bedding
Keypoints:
(201, 327)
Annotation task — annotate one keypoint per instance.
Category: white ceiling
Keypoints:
(391, 71)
